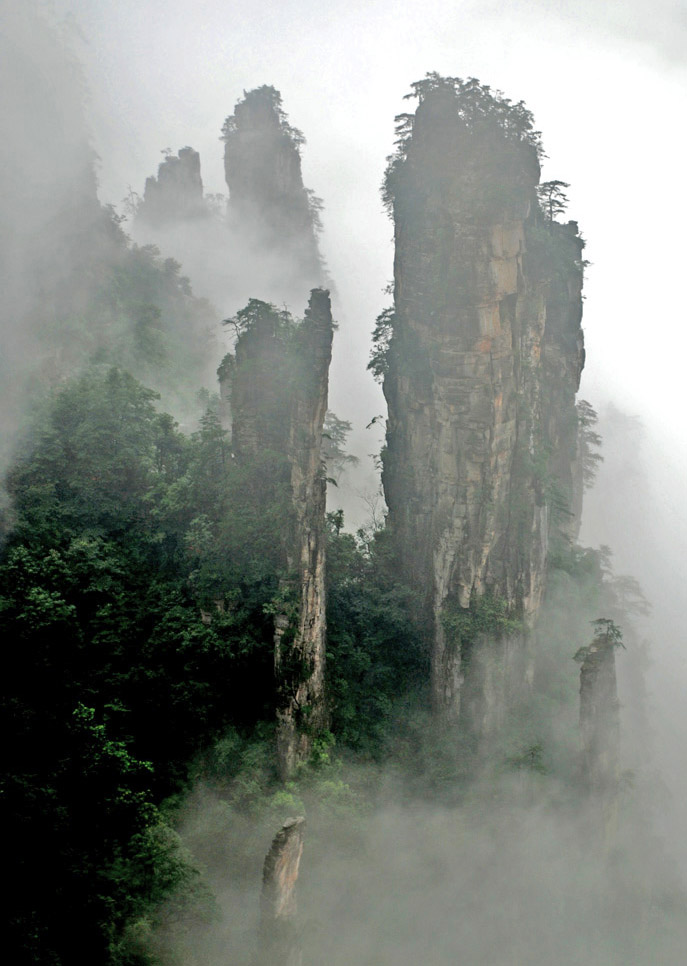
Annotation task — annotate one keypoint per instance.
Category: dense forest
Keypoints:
(199, 650)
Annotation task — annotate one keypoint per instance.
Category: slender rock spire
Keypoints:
(275, 391)
(278, 941)
(481, 364)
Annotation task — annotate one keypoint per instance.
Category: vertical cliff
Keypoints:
(177, 192)
(268, 203)
(481, 359)
(277, 385)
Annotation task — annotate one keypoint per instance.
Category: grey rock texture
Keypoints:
(268, 203)
(599, 717)
(177, 192)
(482, 370)
(278, 943)
(276, 390)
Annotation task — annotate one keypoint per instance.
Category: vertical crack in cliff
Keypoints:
(481, 373)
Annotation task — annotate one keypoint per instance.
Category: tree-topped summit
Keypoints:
(261, 107)
(466, 121)
(477, 105)
(268, 204)
(480, 359)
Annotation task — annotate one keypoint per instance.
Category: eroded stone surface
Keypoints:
(278, 943)
(483, 367)
(268, 202)
(276, 392)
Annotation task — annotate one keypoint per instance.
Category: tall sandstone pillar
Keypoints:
(482, 367)
(269, 208)
(302, 711)
(276, 389)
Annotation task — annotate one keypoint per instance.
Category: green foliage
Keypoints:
(381, 342)
(549, 253)
(101, 452)
(120, 526)
(374, 654)
(607, 634)
(86, 832)
(266, 102)
(552, 198)
(487, 614)
(485, 115)
(334, 438)
(132, 308)
(589, 442)
(261, 318)
(478, 104)
(608, 631)
(532, 759)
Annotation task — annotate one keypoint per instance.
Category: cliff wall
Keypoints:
(481, 371)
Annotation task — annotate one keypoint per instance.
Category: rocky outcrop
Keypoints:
(177, 192)
(278, 943)
(600, 723)
(481, 370)
(278, 387)
(268, 204)
(302, 712)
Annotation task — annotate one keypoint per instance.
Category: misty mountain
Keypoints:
(432, 735)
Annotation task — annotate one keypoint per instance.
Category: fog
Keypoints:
(502, 879)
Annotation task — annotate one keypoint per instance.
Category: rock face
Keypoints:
(278, 387)
(278, 940)
(480, 373)
(268, 203)
(600, 724)
(177, 192)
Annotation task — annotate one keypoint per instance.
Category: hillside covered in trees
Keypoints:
(201, 652)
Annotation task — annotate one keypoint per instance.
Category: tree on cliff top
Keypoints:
(467, 105)
(553, 198)
(263, 102)
(477, 103)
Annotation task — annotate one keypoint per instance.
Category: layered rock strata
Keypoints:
(481, 371)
